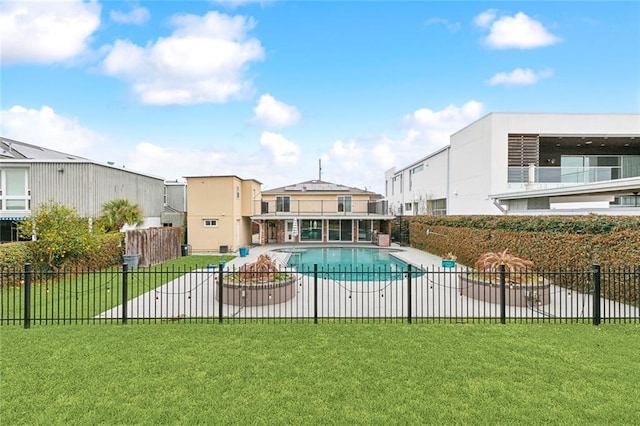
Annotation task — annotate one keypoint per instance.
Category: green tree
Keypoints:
(59, 235)
(119, 212)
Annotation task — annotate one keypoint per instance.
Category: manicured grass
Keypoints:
(320, 374)
(75, 295)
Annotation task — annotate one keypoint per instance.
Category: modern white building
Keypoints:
(523, 163)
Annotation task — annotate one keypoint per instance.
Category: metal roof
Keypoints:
(317, 186)
(16, 150)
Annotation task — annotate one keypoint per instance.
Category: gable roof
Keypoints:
(15, 150)
(317, 186)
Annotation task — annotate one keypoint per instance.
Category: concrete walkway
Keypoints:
(435, 294)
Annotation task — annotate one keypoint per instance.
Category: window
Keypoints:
(210, 223)
(14, 192)
(365, 230)
(283, 204)
(310, 230)
(165, 195)
(437, 207)
(407, 207)
(344, 204)
(340, 230)
(237, 192)
(418, 169)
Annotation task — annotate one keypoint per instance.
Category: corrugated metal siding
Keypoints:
(176, 195)
(86, 186)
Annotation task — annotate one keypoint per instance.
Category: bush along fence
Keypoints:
(216, 293)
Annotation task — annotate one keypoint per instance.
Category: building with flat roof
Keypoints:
(518, 163)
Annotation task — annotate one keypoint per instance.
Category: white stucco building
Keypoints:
(521, 163)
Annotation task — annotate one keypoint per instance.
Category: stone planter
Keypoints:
(515, 294)
(249, 295)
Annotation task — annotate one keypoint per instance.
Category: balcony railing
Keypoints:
(561, 176)
(329, 207)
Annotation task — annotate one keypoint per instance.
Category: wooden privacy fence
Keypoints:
(153, 245)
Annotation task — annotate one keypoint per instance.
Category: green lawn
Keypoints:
(71, 296)
(303, 374)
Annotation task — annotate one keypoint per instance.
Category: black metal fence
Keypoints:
(216, 294)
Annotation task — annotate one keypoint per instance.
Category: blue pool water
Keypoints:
(348, 263)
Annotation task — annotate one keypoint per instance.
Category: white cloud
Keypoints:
(46, 32)
(485, 19)
(519, 77)
(272, 113)
(138, 15)
(361, 162)
(432, 129)
(232, 4)
(514, 32)
(204, 60)
(281, 150)
(452, 27)
(46, 128)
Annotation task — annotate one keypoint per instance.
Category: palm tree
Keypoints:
(119, 212)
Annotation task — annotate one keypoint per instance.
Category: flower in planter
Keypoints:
(263, 270)
(515, 267)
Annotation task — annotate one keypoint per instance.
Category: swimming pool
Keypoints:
(348, 263)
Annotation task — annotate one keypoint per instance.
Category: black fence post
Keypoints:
(409, 294)
(125, 291)
(596, 294)
(220, 287)
(503, 295)
(27, 295)
(315, 293)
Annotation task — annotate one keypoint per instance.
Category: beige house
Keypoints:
(219, 210)
(322, 212)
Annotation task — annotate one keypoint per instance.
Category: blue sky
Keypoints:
(264, 89)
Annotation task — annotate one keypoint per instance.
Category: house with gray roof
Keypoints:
(31, 175)
(317, 211)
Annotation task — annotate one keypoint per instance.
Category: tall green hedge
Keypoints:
(592, 224)
(109, 252)
(552, 242)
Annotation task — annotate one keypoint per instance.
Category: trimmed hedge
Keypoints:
(581, 225)
(552, 243)
(13, 256)
(549, 251)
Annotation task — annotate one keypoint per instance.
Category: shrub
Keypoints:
(61, 235)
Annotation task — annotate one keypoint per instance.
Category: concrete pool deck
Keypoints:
(434, 295)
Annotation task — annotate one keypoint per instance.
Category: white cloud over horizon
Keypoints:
(273, 159)
(519, 77)
(56, 31)
(282, 151)
(137, 16)
(204, 60)
(513, 32)
(44, 127)
(271, 113)
(362, 162)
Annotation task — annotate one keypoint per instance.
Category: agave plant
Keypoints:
(514, 266)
